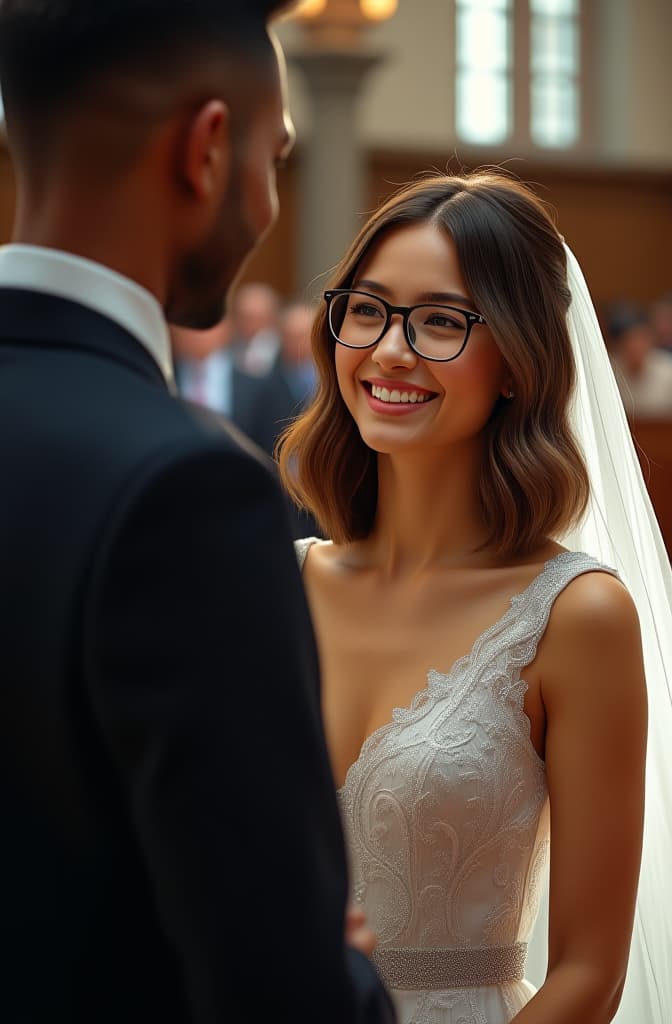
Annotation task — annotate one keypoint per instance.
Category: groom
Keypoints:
(171, 848)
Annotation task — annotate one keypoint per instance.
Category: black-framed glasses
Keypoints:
(435, 332)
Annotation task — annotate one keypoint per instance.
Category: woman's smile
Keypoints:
(396, 397)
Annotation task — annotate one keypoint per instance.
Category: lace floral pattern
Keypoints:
(446, 810)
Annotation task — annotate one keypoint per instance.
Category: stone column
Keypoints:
(332, 174)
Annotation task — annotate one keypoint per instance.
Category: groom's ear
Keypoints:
(204, 158)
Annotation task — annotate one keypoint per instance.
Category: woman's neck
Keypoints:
(428, 512)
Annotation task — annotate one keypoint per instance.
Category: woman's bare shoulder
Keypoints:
(595, 599)
(592, 639)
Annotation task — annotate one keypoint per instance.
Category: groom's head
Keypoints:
(170, 111)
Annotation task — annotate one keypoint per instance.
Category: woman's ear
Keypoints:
(205, 158)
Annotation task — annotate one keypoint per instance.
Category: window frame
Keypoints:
(520, 72)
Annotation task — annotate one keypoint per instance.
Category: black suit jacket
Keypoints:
(171, 848)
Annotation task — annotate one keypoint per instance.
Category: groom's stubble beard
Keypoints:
(208, 275)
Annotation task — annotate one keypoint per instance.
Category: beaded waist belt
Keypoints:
(450, 968)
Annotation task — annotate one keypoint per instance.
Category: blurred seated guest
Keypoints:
(643, 371)
(255, 310)
(203, 365)
(206, 373)
(294, 363)
(661, 321)
(294, 377)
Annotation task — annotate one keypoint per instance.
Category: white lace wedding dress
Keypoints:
(446, 819)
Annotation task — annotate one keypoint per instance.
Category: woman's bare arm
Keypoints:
(593, 687)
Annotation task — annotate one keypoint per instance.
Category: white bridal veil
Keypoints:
(620, 529)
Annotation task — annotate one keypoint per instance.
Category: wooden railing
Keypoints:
(653, 441)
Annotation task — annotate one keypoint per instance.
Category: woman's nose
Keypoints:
(393, 349)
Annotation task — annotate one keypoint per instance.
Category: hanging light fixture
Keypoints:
(378, 10)
(338, 10)
(339, 23)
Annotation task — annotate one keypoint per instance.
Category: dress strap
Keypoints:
(301, 547)
(533, 606)
(513, 639)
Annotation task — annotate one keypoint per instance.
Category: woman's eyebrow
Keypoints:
(441, 297)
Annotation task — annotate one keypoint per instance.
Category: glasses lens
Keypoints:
(437, 332)
(357, 320)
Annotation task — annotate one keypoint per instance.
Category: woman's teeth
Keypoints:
(385, 395)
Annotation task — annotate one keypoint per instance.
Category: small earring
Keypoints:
(510, 395)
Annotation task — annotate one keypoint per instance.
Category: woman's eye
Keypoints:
(364, 309)
(441, 320)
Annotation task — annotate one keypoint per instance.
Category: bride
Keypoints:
(481, 679)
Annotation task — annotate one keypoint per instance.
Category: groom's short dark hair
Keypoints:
(51, 50)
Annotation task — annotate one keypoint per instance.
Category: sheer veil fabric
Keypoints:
(621, 530)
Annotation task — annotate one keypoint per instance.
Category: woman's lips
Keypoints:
(396, 398)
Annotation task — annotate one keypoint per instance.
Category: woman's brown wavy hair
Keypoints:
(533, 480)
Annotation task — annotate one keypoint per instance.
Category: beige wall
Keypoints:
(652, 82)
(410, 100)
(634, 81)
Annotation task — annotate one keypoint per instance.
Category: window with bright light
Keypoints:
(554, 72)
(491, 74)
(484, 61)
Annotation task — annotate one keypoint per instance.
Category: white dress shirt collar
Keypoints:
(54, 272)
